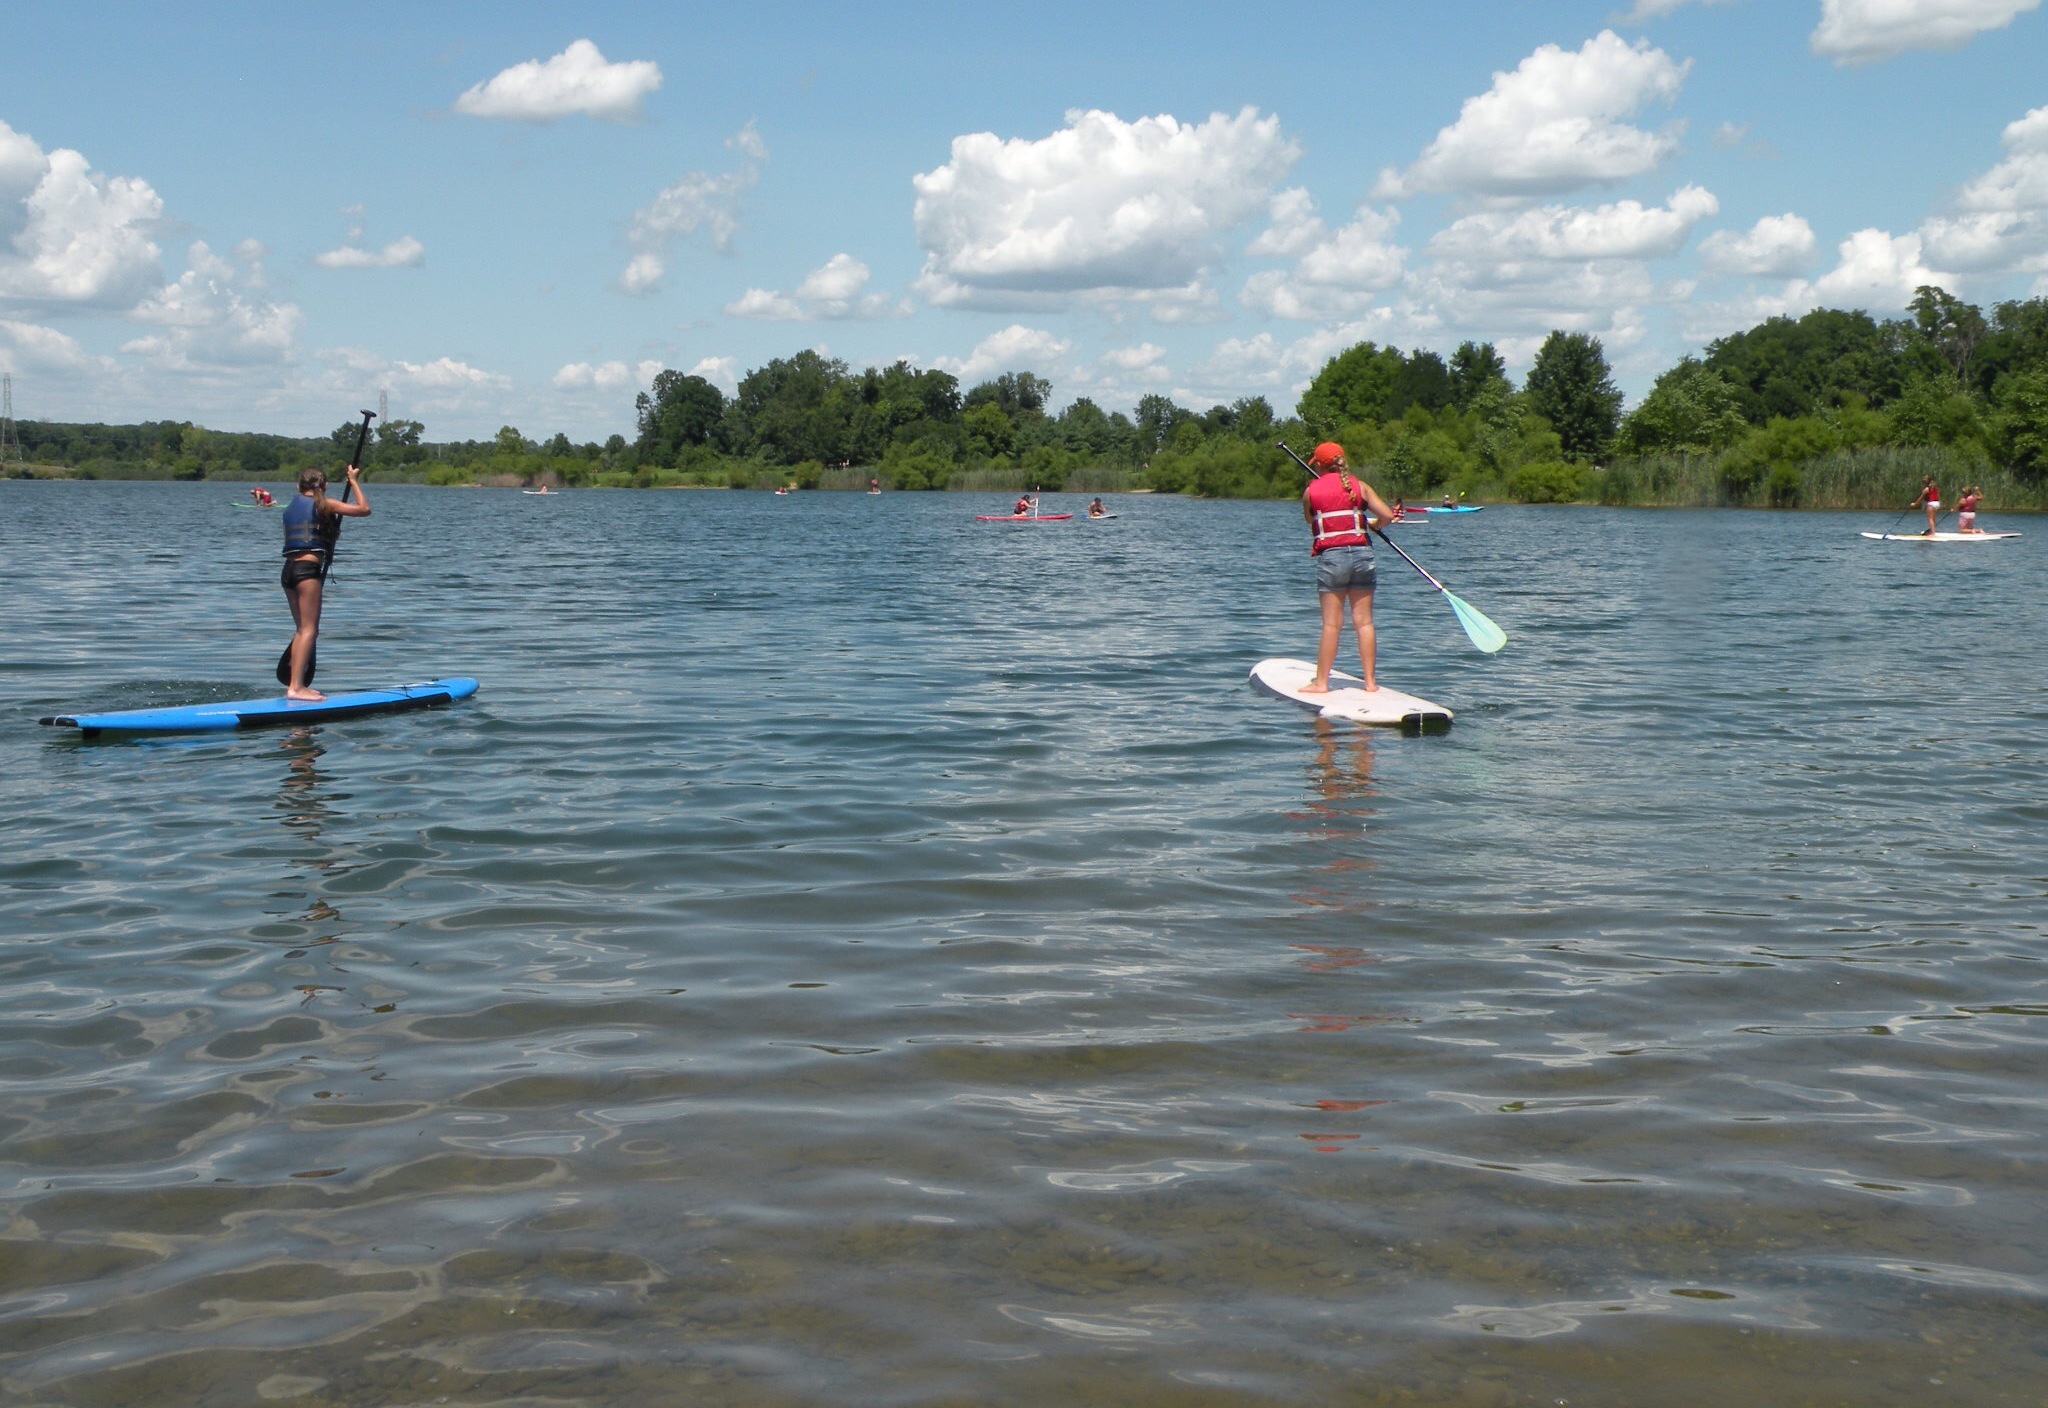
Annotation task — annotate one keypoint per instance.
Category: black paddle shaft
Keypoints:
(331, 535)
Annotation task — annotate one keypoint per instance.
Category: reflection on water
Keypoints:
(998, 1001)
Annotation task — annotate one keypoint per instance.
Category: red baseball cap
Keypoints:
(1327, 453)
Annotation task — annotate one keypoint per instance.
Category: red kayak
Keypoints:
(1020, 517)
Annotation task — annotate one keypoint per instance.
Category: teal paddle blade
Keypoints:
(1487, 636)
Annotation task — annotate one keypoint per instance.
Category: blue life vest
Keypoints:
(302, 527)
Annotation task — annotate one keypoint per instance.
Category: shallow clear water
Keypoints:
(850, 954)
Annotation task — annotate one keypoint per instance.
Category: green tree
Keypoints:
(1950, 326)
(793, 409)
(1474, 367)
(1021, 396)
(1690, 410)
(681, 410)
(989, 432)
(2021, 422)
(1354, 385)
(1794, 367)
(1084, 429)
(1423, 381)
(1156, 418)
(1571, 387)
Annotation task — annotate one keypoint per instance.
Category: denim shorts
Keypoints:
(1346, 569)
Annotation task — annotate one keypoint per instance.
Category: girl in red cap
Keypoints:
(1341, 512)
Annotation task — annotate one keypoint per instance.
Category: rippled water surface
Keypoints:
(848, 954)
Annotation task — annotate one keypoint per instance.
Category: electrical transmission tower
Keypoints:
(383, 408)
(11, 461)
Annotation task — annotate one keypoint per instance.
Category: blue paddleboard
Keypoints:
(1455, 508)
(261, 713)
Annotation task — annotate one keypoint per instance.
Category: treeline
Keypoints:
(1832, 409)
(397, 449)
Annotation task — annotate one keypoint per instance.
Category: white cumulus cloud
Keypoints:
(833, 290)
(1135, 358)
(699, 201)
(2002, 219)
(1103, 206)
(214, 316)
(1776, 244)
(1877, 270)
(2020, 182)
(405, 252)
(578, 79)
(722, 372)
(69, 235)
(1015, 348)
(1553, 125)
(1861, 31)
(32, 347)
(1626, 229)
(1337, 274)
(602, 376)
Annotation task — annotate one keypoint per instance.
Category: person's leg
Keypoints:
(1326, 645)
(305, 599)
(1368, 644)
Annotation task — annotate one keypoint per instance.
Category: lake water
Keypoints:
(849, 954)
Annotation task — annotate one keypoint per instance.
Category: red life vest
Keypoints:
(1338, 502)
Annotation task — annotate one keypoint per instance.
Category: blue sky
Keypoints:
(262, 216)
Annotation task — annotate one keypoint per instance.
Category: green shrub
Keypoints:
(1547, 482)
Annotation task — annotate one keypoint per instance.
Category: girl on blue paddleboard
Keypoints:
(312, 521)
(1341, 512)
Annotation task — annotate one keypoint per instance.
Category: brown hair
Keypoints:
(312, 479)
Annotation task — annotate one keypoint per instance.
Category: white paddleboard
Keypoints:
(1348, 700)
(1939, 537)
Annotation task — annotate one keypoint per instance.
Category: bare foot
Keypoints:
(1371, 687)
(1316, 687)
(311, 696)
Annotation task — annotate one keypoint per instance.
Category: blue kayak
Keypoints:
(1456, 508)
(263, 713)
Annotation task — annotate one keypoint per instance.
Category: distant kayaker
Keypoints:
(1448, 503)
(1340, 512)
(1966, 509)
(1095, 508)
(312, 521)
(1023, 508)
(1930, 497)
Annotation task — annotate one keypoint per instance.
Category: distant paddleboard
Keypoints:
(1098, 517)
(262, 713)
(1021, 517)
(1348, 700)
(1938, 537)
(542, 493)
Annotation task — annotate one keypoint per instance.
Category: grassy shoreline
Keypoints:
(1874, 479)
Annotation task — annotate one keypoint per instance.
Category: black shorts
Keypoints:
(298, 569)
